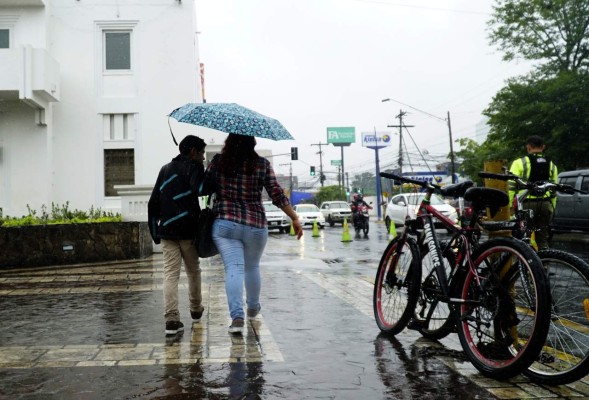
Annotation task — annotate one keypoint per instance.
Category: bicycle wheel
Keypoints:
(505, 311)
(433, 318)
(565, 355)
(396, 286)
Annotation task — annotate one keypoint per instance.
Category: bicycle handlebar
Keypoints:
(423, 184)
(532, 186)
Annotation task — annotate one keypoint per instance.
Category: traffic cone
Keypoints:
(346, 234)
(392, 230)
(292, 232)
(315, 229)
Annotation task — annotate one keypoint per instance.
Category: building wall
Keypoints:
(64, 160)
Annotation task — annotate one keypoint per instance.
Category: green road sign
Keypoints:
(336, 163)
(345, 135)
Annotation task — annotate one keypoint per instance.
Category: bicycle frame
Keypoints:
(426, 212)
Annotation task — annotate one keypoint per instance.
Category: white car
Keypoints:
(308, 214)
(405, 204)
(336, 211)
(277, 219)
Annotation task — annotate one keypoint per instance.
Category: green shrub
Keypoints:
(60, 214)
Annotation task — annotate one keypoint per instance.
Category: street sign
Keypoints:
(341, 135)
(336, 163)
(374, 139)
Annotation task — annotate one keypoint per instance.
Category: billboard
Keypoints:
(373, 139)
(341, 136)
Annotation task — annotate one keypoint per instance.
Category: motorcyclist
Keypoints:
(356, 206)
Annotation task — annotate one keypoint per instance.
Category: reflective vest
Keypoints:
(534, 167)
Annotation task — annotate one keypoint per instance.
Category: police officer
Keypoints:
(536, 167)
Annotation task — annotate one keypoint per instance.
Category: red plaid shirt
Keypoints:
(239, 197)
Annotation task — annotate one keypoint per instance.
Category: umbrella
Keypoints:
(231, 118)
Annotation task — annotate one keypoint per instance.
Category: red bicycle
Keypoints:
(495, 293)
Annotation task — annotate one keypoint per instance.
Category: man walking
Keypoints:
(173, 211)
(533, 168)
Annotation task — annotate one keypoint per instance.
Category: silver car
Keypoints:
(336, 211)
(277, 219)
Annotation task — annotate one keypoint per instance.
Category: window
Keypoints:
(119, 169)
(4, 39)
(569, 180)
(117, 50)
(585, 184)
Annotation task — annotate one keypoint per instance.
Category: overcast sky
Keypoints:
(314, 64)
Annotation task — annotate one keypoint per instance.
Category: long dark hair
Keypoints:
(238, 155)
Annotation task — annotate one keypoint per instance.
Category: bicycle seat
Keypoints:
(482, 198)
(456, 190)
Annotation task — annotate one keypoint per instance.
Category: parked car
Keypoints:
(405, 204)
(572, 210)
(336, 211)
(308, 214)
(277, 219)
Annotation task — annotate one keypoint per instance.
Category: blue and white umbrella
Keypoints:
(231, 118)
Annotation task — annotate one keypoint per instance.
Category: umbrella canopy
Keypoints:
(231, 118)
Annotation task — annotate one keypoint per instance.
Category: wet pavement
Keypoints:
(96, 331)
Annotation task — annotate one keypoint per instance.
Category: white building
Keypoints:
(85, 87)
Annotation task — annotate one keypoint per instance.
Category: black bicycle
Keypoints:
(565, 355)
(495, 293)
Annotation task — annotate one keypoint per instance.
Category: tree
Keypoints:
(556, 109)
(329, 193)
(366, 182)
(554, 32)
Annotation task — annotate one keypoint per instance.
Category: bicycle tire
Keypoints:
(433, 317)
(395, 296)
(565, 355)
(504, 316)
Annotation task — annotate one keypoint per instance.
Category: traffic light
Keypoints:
(322, 178)
(294, 153)
(312, 171)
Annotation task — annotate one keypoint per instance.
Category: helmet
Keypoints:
(355, 196)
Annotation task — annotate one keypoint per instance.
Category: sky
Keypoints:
(314, 64)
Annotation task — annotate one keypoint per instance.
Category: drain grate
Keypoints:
(333, 260)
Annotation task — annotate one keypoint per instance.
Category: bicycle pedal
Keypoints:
(416, 325)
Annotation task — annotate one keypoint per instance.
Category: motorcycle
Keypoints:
(360, 219)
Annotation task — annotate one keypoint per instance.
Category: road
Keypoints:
(95, 331)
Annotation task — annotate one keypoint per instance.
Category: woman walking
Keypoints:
(237, 176)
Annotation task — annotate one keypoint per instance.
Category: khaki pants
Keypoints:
(174, 252)
(542, 217)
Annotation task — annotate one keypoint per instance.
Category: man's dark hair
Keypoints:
(191, 142)
(535, 141)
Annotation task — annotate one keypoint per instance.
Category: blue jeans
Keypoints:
(241, 248)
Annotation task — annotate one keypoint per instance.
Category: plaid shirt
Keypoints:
(239, 196)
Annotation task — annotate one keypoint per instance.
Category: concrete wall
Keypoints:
(42, 245)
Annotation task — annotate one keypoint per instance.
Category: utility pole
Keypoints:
(452, 167)
(401, 126)
(321, 176)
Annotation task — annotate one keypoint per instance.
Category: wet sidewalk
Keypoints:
(97, 332)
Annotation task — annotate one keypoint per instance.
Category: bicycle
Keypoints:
(496, 294)
(565, 355)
